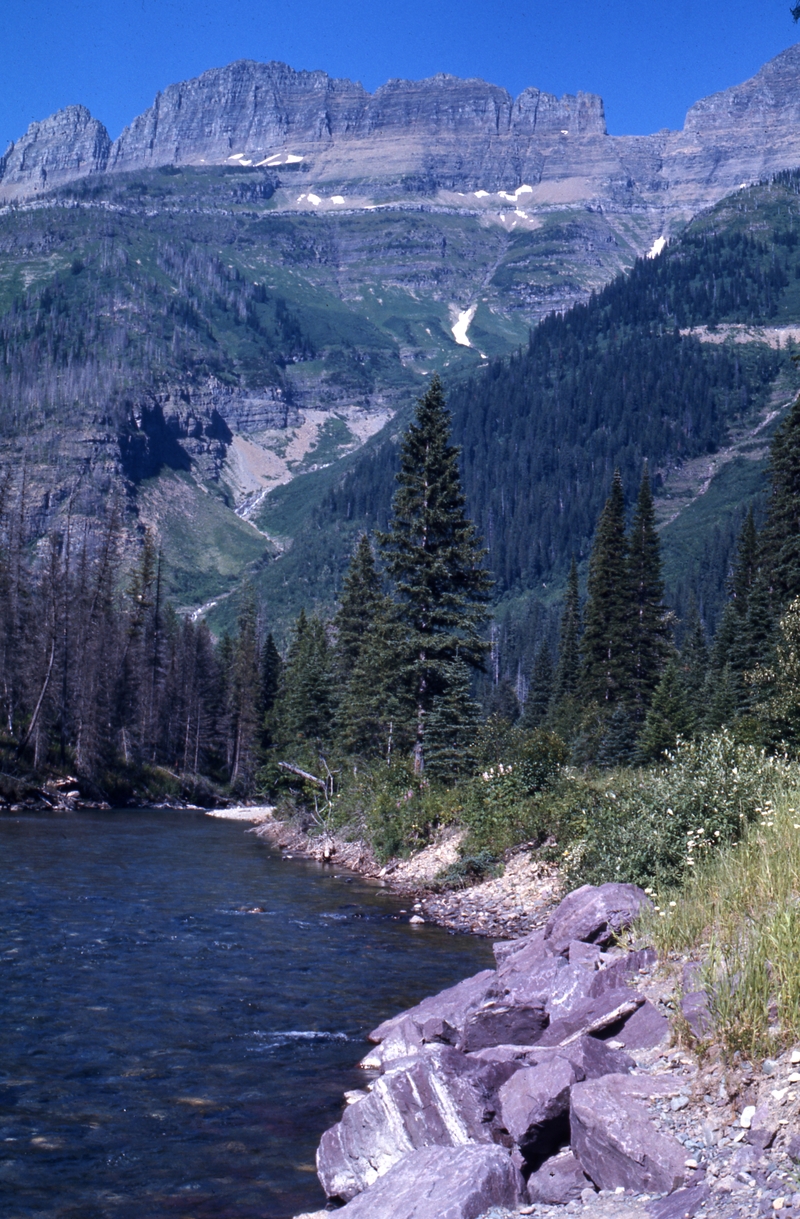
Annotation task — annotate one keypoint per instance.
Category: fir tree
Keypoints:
(606, 644)
(649, 628)
(780, 537)
(271, 672)
(451, 727)
(540, 691)
(245, 692)
(376, 708)
(669, 715)
(433, 555)
(304, 707)
(569, 653)
(362, 597)
(694, 661)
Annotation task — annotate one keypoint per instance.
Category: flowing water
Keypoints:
(166, 1050)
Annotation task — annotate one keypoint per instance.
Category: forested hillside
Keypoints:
(629, 376)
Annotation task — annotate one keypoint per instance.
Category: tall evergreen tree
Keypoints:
(649, 628)
(362, 597)
(451, 727)
(694, 661)
(304, 707)
(540, 691)
(433, 555)
(606, 645)
(569, 640)
(780, 537)
(669, 715)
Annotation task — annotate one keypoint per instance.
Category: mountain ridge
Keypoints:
(444, 133)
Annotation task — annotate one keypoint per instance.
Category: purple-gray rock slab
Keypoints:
(592, 1058)
(592, 1016)
(441, 1183)
(571, 987)
(683, 1204)
(498, 1023)
(587, 955)
(694, 1008)
(437, 1098)
(763, 1128)
(617, 1144)
(448, 1008)
(622, 970)
(558, 1181)
(644, 1029)
(403, 1040)
(535, 1096)
(595, 914)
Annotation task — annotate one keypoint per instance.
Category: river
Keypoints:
(165, 1052)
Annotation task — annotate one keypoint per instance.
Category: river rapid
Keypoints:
(166, 1050)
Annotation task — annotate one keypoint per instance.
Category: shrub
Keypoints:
(654, 826)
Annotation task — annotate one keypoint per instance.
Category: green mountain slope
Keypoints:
(682, 362)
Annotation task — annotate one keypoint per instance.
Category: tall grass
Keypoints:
(739, 914)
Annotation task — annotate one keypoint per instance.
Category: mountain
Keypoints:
(443, 134)
(210, 316)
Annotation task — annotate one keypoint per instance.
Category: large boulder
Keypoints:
(644, 1029)
(441, 1183)
(527, 974)
(594, 914)
(590, 1057)
(499, 1023)
(441, 1017)
(559, 1180)
(440, 1097)
(615, 1141)
(534, 1097)
(592, 1015)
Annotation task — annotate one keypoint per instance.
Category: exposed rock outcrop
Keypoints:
(443, 133)
(529, 1075)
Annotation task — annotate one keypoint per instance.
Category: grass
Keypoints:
(740, 915)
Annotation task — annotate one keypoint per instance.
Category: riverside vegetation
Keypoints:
(631, 759)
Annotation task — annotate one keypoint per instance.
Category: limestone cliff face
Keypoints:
(68, 145)
(420, 137)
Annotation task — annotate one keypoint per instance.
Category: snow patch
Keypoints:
(462, 324)
(523, 190)
(481, 194)
(338, 199)
(657, 246)
(315, 199)
(281, 158)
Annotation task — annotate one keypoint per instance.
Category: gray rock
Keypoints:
(441, 1183)
(617, 1144)
(437, 1098)
(571, 987)
(592, 1016)
(558, 1180)
(683, 1204)
(694, 1007)
(587, 955)
(403, 1040)
(498, 1023)
(763, 1128)
(793, 1148)
(535, 1096)
(589, 1056)
(622, 970)
(594, 914)
(440, 1017)
(69, 144)
(644, 1029)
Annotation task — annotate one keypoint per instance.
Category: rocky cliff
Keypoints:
(427, 136)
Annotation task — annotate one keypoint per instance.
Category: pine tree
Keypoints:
(569, 653)
(669, 715)
(245, 691)
(694, 661)
(780, 537)
(649, 628)
(606, 645)
(540, 691)
(376, 709)
(362, 597)
(271, 669)
(304, 708)
(433, 555)
(451, 727)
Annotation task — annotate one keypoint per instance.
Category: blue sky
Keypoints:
(648, 60)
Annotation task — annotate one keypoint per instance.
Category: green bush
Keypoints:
(654, 826)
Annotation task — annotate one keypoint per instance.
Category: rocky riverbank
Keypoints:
(512, 904)
(551, 1085)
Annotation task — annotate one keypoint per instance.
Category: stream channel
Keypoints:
(164, 1053)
